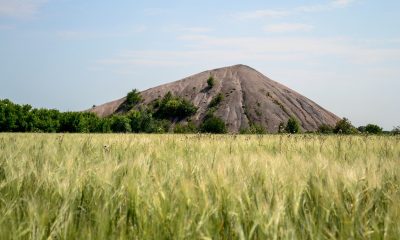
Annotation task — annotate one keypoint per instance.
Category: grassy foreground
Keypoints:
(199, 187)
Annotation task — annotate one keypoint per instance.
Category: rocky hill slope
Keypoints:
(249, 98)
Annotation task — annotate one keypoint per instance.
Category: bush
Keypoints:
(185, 128)
(344, 126)
(292, 126)
(172, 107)
(373, 129)
(281, 128)
(325, 129)
(132, 99)
(210, 82)
(120, 124)
(216, 100)
(254, 129)
(213, 124)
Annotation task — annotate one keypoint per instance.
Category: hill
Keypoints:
(248, 98)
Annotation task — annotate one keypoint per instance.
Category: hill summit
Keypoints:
(245, 97)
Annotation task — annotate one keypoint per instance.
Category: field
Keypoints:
(129, 186)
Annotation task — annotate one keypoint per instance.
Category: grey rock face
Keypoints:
(249, 98)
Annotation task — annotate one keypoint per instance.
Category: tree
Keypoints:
(373, 129)
(210, 82)
(396, 130)
(171, 107)
(120, 124)
(292, 126)
(133, 98)
(213, 124)
(361, 129)
(325, 129)
(344, 126)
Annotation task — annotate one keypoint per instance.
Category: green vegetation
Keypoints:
(213, 124)
(344, 126)
(171, 107)
(133, 98)
(185, 128)
(216, 100)
(373, 129)
(254, 129)
(325, 129)
(157, 117)
(107, 186)
(292, 126)
(210, 82)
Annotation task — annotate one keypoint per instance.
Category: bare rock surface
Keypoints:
(249, 98)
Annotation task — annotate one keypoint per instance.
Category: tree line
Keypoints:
(161, 116)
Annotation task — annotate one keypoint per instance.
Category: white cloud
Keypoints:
(217, 51)
(262, 14)
(20, 8)
(342, 3)
(275, 13)
(288, 27)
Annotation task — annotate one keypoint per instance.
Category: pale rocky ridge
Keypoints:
(249, 98)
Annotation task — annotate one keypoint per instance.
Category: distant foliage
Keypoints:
(210, 82)
(133, 98)
(254, 129)
(213, 124)
(344, 126)
(396, 130)
(292, 126)
(185, 128)
(325, 129)
(373, 129)
(281, 127)
(172, 107)
(216, 100)
(120, 124)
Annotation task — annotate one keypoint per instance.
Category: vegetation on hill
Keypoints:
(292, 126)
(168, 114)
(172, 107)
(210, 82)
(213, 124)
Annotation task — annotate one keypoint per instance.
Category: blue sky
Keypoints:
(69, 54)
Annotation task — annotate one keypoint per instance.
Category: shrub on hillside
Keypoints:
(292, 126)
(171, 107)
(210, 82)
(133, 98)
(216, 100)
(213, 124)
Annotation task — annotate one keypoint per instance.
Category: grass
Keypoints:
(199, 187)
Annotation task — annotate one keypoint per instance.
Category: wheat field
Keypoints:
(110, 186)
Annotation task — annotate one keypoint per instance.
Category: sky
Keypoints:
(71, 54)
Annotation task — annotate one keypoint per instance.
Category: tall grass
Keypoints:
(199, 187)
